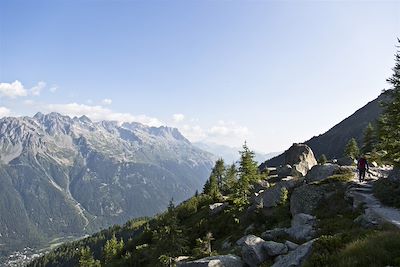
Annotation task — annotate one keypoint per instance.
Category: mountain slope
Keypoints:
(332, 142)
(62, 176)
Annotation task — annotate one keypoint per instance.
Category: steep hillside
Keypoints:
(62, 176)
(332, 142)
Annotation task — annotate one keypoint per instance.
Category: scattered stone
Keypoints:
(301, 158)
(295, 257)
(274, 248)
(252, 250)
(249, 229)
(216, 261)
(217, 208)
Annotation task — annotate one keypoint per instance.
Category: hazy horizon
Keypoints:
(270, 73)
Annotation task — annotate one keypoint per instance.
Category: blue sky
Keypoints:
(270, 72)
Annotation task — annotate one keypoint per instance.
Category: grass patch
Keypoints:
(387, 192)
(378, 249)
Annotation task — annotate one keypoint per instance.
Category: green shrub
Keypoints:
(387, 192)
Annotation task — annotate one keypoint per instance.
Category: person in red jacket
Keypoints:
(362, 166)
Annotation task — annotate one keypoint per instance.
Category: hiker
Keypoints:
(362, 166)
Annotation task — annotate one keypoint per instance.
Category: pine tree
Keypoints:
(218, 171)
(111, 249)
(248, 174)
(230, 179)
(352, 151)
(213, 184)
(389, 123)
(369, 140)
(86, 258)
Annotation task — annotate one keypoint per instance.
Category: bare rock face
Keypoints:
(301, 158)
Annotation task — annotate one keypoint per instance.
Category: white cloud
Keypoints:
(4, 112)
(37, 89)
(106, 101)
(53, 89)
(178, 117)
(12, 90)
(29, 102)
(224, 133)
(99, 113)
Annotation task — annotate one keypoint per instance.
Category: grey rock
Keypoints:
(303, 227)
(216, 261)
(301, 158)
(306, 198)
(291, 245)
(274, 234)
(295, 257)
(217, 208)
(252, 250)
(274, 248)
(321, 172)
(271, 197)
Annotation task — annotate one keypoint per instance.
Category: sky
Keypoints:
(269, 72)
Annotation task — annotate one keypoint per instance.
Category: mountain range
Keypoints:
(63, 176)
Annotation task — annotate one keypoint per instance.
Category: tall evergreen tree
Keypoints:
(389, 123)
(230, 179)
(248, 174)
(369, 140)
(86, 258)
(111, 249)
(352, 149)
(219, 171)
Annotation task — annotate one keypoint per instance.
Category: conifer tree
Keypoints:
(230, 179)
(111, 249)
(369, 140)
(86, 258)
(352, 151)
(248, 174)
(389, 123)
(218, 171)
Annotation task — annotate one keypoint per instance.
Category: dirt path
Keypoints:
(375, 211)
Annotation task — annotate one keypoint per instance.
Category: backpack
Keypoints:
(362, 164)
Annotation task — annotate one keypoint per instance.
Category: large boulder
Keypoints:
(306, 198)
(303, 227)
(295, 257)
(345, 161)
(301, 158)
(274, 249)
(274, 234)
(321, 172)
(285, 170)
(216, 261)
(253, 252)
(271, 197)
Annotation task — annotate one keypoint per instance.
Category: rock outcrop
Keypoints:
(305, 198)
(303, 227)
(301, 158)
